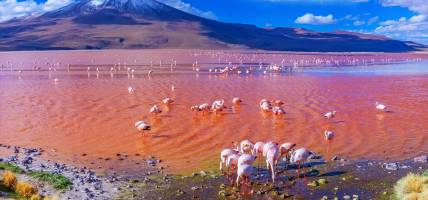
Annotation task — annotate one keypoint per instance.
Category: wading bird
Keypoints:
(142, 126)
(330, 114)
(155, 109)
(380, 106)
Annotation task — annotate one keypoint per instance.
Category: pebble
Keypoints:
(391, 166)
(421, 159)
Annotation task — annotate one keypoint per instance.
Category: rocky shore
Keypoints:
(338, 178)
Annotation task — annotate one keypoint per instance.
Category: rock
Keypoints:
(194, 188)
(194, 174)
(202, 173)
(390, 166)
(322, 181)
(313, 184)
(222, 186)
(151, 162)
(222, 193)
(346, 197)
(179, 192)
(355, 197)
(420, 159)
(324, 198)
(284, 196)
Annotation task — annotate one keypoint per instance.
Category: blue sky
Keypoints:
(399, 19)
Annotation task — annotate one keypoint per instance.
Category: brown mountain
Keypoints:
(137, 24)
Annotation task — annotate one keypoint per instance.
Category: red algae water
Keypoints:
(86, 113)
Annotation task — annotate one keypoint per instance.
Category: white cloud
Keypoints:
(10, 9)
(412, 29)
(418, 6)
(310, 18)
(359, 22)
(317, 1)
(186, 7)
(373, 20)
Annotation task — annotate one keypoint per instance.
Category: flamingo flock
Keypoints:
(240, 159)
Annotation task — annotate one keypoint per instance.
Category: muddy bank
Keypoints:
(340, 179)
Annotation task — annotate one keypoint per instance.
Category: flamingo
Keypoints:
(218, 105)
(167, 101)
(232, 161)
(265, 105)
(236, 100)
(330, 114)
(300, 156)
(276, 110)
(278, 102)
(131, 90)
(267, 146)
(246, 146)
(244, 172)
(286, 148)
(329, 135)
(225, 153)
(272, 157)
(380, 106)
(142, 125)
(201, 108)
(258, 150)
(246, 158)
(155, 109)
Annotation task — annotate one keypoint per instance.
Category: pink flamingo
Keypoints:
(330, 114)
(236, 100)
(244, 173)
(155, 110)
(258, 150)
(300, 156)
(225, 153)
(142, 125)
(276, 110)
(272, 156)
(246, 146)
(167, 101)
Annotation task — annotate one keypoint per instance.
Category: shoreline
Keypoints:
(358, 179)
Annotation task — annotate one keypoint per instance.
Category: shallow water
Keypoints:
(96, 116)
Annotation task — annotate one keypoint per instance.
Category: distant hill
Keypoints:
(141, 24)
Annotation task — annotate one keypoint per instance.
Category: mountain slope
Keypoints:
(134, 24)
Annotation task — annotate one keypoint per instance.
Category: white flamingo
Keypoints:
(167, 101)
(131, 90)
(232, 161)
(218, 105)
(244, 172)
(276, 110)
(380, 106)
(236, 100)
(272, 157)
(267, 146)
(246, 146)
(142, 125)
(246, 159)
(225, 153)
(329, 135)
(265, 105)
(300, 156)
(330, 114)
(155, 109)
